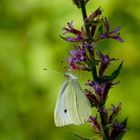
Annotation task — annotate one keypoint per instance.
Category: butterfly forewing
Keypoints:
(61, 115)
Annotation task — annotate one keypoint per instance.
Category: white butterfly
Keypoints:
(72, 105)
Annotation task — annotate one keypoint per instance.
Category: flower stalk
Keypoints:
(89, 39)
(97, 28)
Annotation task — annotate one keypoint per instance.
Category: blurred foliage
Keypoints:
(29, 42)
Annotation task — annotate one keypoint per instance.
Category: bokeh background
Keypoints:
(30, 42)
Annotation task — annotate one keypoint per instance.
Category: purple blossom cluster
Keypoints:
(79, 34)
(111, 34)
(78, 58)
(100, 92)
(87, 57)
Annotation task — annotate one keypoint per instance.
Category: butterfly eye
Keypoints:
(65, 111)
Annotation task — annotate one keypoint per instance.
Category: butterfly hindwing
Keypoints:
(78, 104)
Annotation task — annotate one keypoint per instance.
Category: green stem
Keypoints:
(104, 128)
(89, 40)
(84, 13)
(92, 59)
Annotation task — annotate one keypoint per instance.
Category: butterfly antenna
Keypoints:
(53, 71)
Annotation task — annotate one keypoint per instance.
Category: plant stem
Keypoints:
(84, 13)
(94, 71)
(104, 128)
(89, 40)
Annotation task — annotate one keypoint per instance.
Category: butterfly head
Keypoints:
(70, 76)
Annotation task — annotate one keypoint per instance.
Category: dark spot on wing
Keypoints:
(65, 111)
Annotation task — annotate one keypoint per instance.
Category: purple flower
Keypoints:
(104, 114)
(88, 91)
(80, 35)
(99, 88)
(92, 98)
(91, 46)
(95, 124)
(101, 91)
(78, 58)
(90, 83)
(118, 126)
(113, 34)
(71, 63)
(115, 112)
(118, 130)
(94, 15)
(78, 54)
(114, 109)
(102, 110)
(105, 61)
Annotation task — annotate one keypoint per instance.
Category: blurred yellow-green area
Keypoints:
(30, 43)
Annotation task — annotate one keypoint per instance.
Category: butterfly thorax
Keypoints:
(71, 76)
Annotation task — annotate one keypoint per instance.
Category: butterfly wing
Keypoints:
(61, 115)
(77, 103)
(72, 105)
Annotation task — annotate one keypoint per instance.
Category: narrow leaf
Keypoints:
(112, 77)
(115, 74)
(99, 31)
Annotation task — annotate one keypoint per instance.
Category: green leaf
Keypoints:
(99, 31)
(115, 74)
(125, 122)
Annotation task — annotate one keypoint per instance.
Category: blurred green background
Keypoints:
(29, 42)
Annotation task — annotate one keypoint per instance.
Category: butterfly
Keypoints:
(72, 106)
